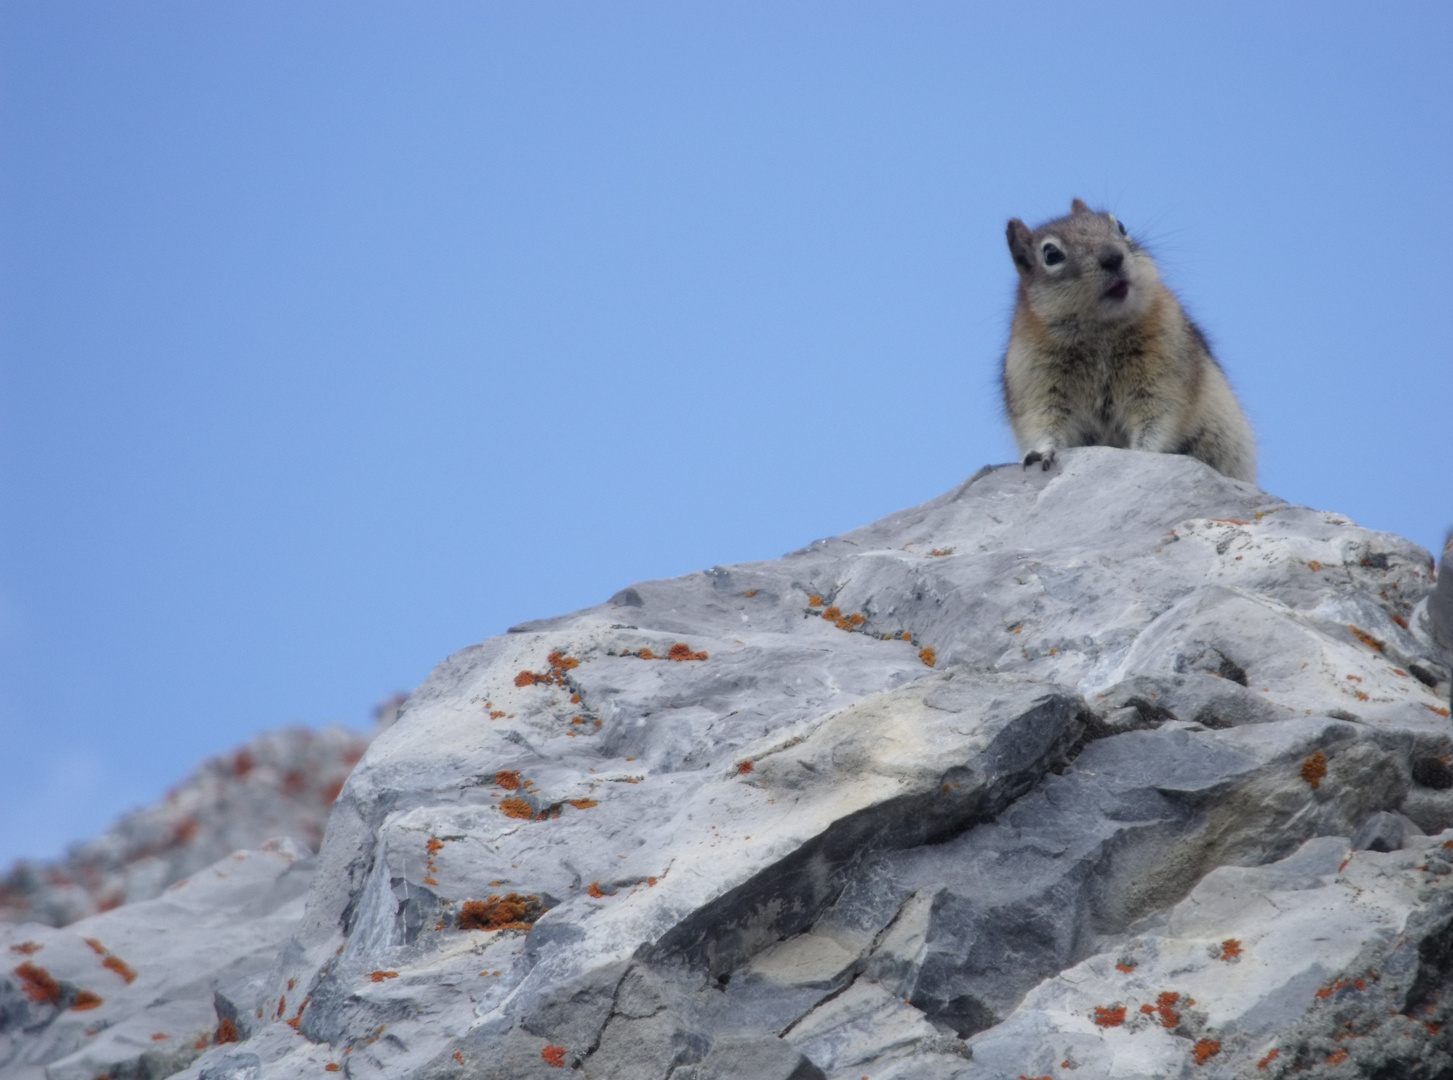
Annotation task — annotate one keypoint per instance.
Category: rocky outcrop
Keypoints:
(281, 783)
(1125, 769)
(135, 993)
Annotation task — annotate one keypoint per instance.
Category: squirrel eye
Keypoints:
(1122, 227)
(1053, 256)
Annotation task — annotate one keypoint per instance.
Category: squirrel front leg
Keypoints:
(1040, 434)
(1037, 407)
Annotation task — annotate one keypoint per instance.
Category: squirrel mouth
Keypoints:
(1119, 289)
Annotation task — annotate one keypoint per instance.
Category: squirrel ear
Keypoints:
(1021, 241)
(1077, 206)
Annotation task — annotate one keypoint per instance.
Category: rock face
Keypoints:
(282, 783)
(1056, 775)
(133, 993)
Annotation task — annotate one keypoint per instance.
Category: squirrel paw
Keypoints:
(1045, 459)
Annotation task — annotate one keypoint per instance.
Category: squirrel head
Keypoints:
(1084, 268)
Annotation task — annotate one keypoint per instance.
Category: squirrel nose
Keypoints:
(1111, 258)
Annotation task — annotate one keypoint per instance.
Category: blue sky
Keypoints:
(335, 337)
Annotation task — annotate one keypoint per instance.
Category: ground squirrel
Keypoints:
(1101, 354)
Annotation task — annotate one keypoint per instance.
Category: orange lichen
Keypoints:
(297, 1017)
(582, 804)
(651, 881)
(26, 948)
(120, 966)
(750, 592)
(1435, 709)
(434, 845)
(458, 1057)
(1314, 768)
(158, 1036)
(226, 1032)
(84, 1000)
(332, 1066)
(927, 655)
(833, 613)
(814, 600)
(380, 975)
(509, 779)
(940, 552)
(1109, 1015)
(594, 890)
(1231, 521)
(96, 946)
(1204, 1050)
(1125, 966)
(1017, 628)
(282, 1005)
(1337, 984)
(1165, 1008)
(1338, 1056)
(1366, 638)
(509, 912)
(905, 635)
(1400, 621)
(646, 654)
(495, 714)
(554, 1055)
(38, 983)
(1360, 695)
(745, 766)
(1313, 564)
(682, 651)
(1270, 1056)
(857, 618)
(516, 807)
(575, 699)
(1230, 949)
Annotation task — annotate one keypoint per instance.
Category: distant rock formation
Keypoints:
(282, 783)
(1121, 770)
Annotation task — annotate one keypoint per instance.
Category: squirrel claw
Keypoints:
(1045, 460)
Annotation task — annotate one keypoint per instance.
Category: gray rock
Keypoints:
(130, 992)
(1068, 742)
(281, 783)
(1383, 831)
(760, 1059)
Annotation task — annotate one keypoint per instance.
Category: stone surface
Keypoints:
(133, 992)
(936, 798)
(281, 783)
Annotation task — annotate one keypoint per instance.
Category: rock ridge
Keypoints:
(1058, 774)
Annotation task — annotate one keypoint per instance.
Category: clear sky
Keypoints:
(337, 336)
